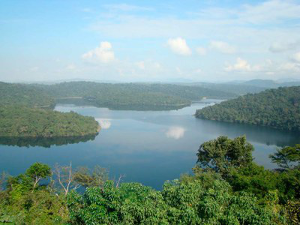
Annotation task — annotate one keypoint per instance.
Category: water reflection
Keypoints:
(175, 132)
(104, 123)
(263, 135)
(44, 142)
(135, 107)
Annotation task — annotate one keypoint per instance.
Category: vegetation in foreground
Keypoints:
(32, 122)
(227, 188)
(277, 108)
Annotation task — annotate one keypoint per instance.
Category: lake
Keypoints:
(149, 147)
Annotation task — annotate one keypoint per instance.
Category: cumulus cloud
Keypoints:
(102, 54)
(104, 123)
(201, 51)
(175, 132)
(222, 47)
(179, 46)
(240, 65)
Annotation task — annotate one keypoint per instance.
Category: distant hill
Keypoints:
(24, 95)
(237, 89)
(132, 94)
(271, 83)
(277, 108)
(26, 111)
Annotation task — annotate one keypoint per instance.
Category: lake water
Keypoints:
(149, 147)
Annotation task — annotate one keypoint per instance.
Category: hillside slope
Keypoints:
(24, 95)
(108, 95)
(277, 108)
(28, 122)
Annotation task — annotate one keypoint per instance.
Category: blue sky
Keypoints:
(149, 40)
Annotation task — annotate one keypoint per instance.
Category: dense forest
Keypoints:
(18, 121)
(227, 188)
(277, 108)
(131, 94)
(26, 111)
(24, 95)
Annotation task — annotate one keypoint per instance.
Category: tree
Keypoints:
(65, 177)
(37, 171)
(3, 178)
(288, 157)
(223, 153)
(87, 178)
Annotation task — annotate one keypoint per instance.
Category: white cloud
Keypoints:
(240, 65)
(270, 11)
(103, 53)
(222, 47)
(175, 132)
(201, 51)
(278, 47)
(141, 65)
(289, 67)
(179, 46)
(296, 57)
(71, 67)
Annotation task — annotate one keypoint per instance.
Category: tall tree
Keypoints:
(288, 157)
(223, 153)
(38, 171)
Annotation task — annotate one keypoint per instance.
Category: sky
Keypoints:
(155, 41)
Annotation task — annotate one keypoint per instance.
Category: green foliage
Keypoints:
(178, 203)
(86, 178)
(277, 108)
(39, 207)
(38, 170)
(28, 122)
(293, 210)
(254, 179)
(228, 189)
(223, 153)
(131, 96)
(24, 95)
(288, 157)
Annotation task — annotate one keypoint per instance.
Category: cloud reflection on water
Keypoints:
(104, 123)
(175, 132)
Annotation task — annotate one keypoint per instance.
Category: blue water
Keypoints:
(149, 147)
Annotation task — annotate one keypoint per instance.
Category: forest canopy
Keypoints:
(18, 121)
(277, 108)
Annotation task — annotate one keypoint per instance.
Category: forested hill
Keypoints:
(277, 108)
(16, 121)
(26, 111)
(103, 94)
(24, 95)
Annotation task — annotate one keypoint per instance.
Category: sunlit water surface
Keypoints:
(149, 147)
